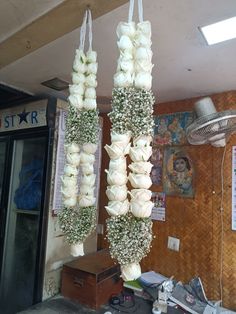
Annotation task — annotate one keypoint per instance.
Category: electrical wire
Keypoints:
(222, 225)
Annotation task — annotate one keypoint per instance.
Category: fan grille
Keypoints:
(210, 128)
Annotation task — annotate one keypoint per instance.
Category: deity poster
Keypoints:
(178, 172)
(170, 129)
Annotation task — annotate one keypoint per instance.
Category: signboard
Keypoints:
(26, 116)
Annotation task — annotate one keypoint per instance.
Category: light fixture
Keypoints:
(220, 31)
(56, 83)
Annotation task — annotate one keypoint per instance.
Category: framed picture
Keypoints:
(159, 209)
(156, 160)
(170, 129)
(178, 172)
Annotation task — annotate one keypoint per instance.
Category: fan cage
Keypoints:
(206, 128)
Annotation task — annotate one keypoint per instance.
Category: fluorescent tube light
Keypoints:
(220, 31)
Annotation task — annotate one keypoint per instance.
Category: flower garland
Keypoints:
(129, 229)
(78, 217)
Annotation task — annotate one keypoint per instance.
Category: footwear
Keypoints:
(189, 302)
(197, 288)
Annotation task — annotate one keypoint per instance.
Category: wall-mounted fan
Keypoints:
(210, 126)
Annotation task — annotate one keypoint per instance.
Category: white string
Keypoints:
(222, 226)
(131, 10)
(140, 10)
(83, 32)
(90, 29)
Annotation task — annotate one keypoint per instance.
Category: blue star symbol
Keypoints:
(23, 116)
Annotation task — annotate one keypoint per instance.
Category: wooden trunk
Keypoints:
(91, 279)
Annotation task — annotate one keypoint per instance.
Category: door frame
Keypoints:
(48, 133)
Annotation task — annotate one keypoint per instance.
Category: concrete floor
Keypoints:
(60, 305)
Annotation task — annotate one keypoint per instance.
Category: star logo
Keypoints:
(23, 116)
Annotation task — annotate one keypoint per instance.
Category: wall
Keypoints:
(58, 251)
(196, 222)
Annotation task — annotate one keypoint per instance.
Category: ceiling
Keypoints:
(184, 66)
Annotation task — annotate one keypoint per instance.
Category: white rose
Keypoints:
(141, 167)
(91, 56)
(116, 192)
(76, 89)
(143, 80)
(86, 200)
(72, 148)
(90, 81)
(118, 164)
(118, 137)
(87, 168)
(80, 55)
(143, 65)
(126, 55)
(90, 92)
(87, 158)
(122, 79)
(92, 68)
(140, 181)
(143, 53)
(142, 40)
(116, 208)
(141, 194)
(117, 150)
(78, 66)
(124, 28)
(130, 271)
(145, 28)
(116, 177)
(76, 101)
(70, 170)
(90, 104)
(125, 65)
(69, 192)
(77, 249)
(78, 78)
(69, 181)
(141, 209)
(90, 148)
(70, 184)
(70, 202)
(138, 153)
(73, 159)
(125, 43)
(88, 179)
(87, 189)
(142, 140)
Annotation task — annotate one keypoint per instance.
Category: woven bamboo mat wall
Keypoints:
(195, 221)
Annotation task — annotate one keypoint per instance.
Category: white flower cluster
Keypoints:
(76, 223)
(131, 116)
(117, 175)
(81, 136)
(140, 204)
(134, 65)
(83, 90)
(130, 240)
(132, 110)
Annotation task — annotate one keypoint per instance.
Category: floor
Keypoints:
(60, 305)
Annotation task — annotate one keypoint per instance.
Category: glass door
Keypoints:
(3, 151)
(21, 243)
(3, 146)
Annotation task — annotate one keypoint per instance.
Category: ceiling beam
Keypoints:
(59, 21)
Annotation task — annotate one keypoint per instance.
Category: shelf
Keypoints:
(29, 211)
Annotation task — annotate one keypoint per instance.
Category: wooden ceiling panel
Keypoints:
(59, 21)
